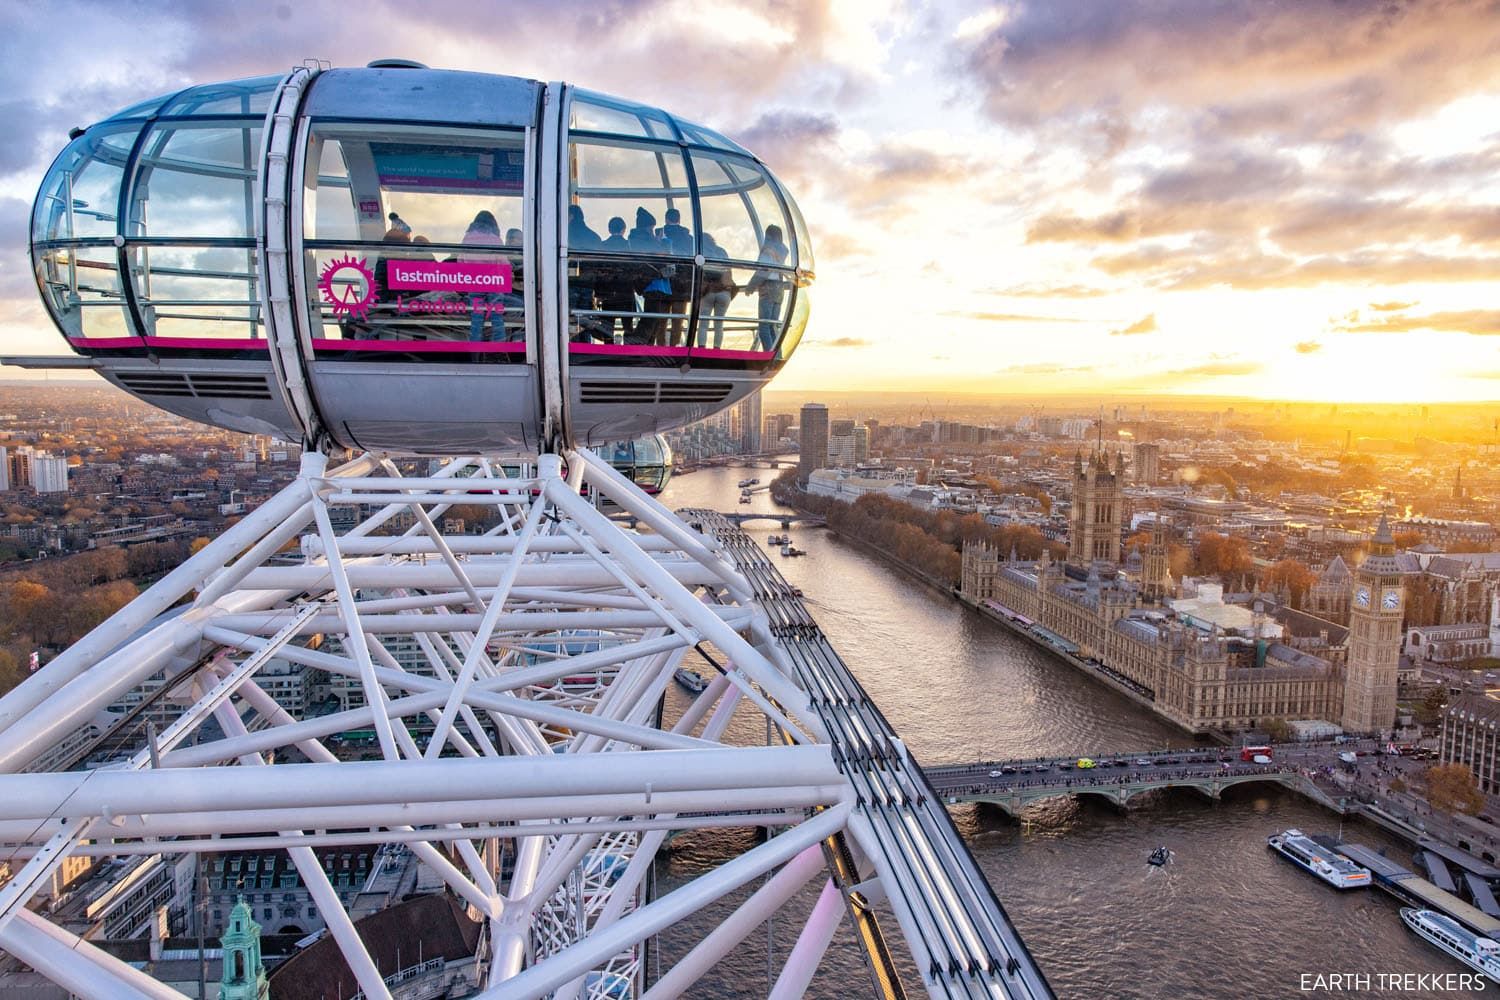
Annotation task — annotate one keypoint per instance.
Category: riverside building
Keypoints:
(1200, 667)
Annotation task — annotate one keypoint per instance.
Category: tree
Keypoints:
(11, 671)
(1222, 556)
(1292, 576)
(1278, 729)
(23, 604)
(1452, 788)
(1431, 707)
(198, 544)
(1408, 539)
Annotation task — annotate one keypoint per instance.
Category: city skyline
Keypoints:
(1293, 202)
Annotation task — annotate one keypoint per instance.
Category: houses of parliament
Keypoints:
(1202, 663)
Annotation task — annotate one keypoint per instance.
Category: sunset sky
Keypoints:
(1291, 200)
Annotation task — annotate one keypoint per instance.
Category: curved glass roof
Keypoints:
(250, 96)
(596, 112)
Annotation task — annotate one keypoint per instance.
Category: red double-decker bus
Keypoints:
(1250, 753)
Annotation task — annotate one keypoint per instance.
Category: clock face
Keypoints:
(1391, 600)
(1362, 597)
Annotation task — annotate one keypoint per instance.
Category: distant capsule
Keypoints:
(423, 261)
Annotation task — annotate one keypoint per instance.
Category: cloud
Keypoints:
(1119, 226)
(1045, 368)
(999, 317)
(1210, 265)
(844, 342)
(883, 182)
(1221, 368)
(1042, 290)
(1391, 306)
(1146, 324)
(1476, 322)
(1308, 347)
(1313, 68)
(1267, 164)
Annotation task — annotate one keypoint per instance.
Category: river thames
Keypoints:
(1228, 918)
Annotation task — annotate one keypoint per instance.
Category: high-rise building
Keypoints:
(4, 470)
(1145, 465)
(746, 424)
(19, 463)
(1374, 639)
(49, 473)
(848, 444)
(1098, 502)
(814, 435)
(778, 425)
(861, 444)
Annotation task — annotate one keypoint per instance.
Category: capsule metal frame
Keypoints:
(230, 254)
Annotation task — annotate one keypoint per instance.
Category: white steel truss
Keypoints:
(512, 684)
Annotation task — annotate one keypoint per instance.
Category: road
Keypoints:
(1001, 777)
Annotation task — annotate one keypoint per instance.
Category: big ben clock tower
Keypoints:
(1374, 639)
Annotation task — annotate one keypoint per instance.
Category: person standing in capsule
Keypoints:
(484, 231)
(770, 285)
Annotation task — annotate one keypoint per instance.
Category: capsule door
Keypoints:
(415, 266)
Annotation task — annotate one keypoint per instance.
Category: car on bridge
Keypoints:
(1084, 763)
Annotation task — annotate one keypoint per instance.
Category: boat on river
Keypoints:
(1479, 953)
(690, 679)
(1306, 853)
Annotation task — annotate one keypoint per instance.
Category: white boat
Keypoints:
(690, 679)
(1479, 953)
(1302, 850)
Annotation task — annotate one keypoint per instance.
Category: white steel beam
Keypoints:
(675, 906)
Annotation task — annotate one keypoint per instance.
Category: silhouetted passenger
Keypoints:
(484, 231)
(771, 286)
(615, 282)
(718, 290)
(580, 236)
(679, 241)
(679, 238)
(616, 240)
(656, 289)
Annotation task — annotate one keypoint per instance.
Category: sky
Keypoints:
(1295, 200)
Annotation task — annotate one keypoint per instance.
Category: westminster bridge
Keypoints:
(1014, 784)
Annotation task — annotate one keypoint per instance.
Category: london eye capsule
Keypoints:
(646, 461)
(421, 261)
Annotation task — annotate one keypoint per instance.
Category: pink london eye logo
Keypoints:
(348, 286)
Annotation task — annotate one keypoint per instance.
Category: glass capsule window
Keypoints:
(80, 197)
(646, 461)
(190, 228)
(639, 210)
(606, 115)
(166, 190)
(414, 241)
(630, 284)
